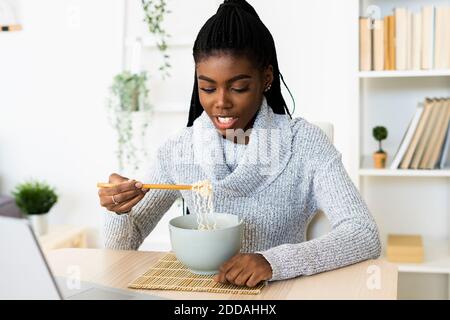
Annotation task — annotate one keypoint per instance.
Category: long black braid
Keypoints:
(236, 29)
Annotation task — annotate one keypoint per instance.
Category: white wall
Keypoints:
(53, 79)
(316, 51)
(317, 55)
(55, 75)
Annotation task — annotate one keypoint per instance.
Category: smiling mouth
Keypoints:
(225, 122)
(225, 119)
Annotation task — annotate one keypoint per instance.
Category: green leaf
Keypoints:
(155, 12)
(34, 197)
(380, 133)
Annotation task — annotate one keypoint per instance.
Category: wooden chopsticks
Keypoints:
(150, 186)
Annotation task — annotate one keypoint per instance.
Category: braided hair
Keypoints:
(237, 30)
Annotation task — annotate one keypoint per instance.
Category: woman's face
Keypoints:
(231, 90)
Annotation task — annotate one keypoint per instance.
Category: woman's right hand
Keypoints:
(121, 198)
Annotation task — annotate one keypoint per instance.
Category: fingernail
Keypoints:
(144, 190)
(138, 185)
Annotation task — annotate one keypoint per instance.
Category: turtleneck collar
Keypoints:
(265, 157)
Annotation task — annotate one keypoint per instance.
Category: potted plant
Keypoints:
(380, 133)
(129, 114)
(35, 199)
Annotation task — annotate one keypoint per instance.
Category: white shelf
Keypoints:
(367, 169)
(171, 108)
(150, 42)
(404, 74)
(404, 173)
(436, 260)
(160, 110)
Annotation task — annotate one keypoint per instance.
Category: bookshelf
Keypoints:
(403, 201)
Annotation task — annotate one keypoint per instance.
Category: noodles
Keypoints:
(203, 202)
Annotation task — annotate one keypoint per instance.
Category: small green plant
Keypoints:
(155, 10)
(380, 133)
(34, 197)
(128, 94)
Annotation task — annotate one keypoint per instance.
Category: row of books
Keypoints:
(406, 40)
(426, 142)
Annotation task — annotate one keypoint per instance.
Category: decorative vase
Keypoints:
(39, 223)
(379, 159)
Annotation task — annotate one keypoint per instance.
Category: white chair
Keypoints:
(319, 224)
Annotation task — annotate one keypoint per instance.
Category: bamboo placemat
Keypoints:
(170, 274)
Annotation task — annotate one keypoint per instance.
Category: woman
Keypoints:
(237, 110)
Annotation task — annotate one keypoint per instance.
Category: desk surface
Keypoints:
(372, 279)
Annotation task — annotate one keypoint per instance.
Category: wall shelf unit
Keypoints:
(403, 201)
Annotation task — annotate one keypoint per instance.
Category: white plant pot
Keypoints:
(39, 223)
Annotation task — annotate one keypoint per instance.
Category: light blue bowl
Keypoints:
(204, 251)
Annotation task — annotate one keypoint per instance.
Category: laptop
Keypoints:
(25, 273)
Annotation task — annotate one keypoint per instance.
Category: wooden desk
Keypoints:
(118, 268)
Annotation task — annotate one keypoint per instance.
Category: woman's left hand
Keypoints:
(245, 269)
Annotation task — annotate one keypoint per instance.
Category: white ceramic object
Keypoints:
(39, 223)
(204, 251)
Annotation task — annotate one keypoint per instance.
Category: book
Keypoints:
(392, 50)
(378, 45)
(434, 140)
(401, 25)
(447, 20)
(365, 44)
(386, 44)
(440, 136)
(427, 56)
(440, 40)
(407, 137)
(447, 37)
(424, 139)
(408, 40)
(444, 158)
(405, 248)
(406, 161)
(416, 41)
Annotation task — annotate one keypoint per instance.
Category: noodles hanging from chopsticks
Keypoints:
(202, 195)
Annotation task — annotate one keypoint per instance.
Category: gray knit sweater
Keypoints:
(288, 171)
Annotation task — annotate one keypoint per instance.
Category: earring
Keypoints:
(268, 88)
